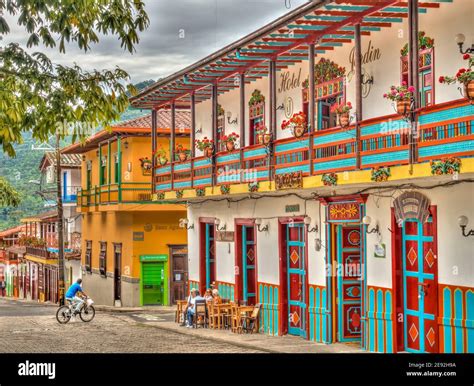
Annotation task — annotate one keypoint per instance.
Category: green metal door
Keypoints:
(153, 277)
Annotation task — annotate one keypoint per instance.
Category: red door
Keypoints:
(420, 282)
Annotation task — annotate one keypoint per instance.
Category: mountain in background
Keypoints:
(23, 172)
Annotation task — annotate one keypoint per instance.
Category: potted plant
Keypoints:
(253, 186)
(342, 111)
(402, 95)
(205, 145)
(424, 42)
(297, 123)
(182, 152)
(329, 179)
(446, 166)
(146, 166)
(464, 76)
(326, 70)
(200, 192)
(230, 141)
(160, 156)
(380, 173)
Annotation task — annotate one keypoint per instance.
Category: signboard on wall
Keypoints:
(289, 180)
(138, 236)
(153, 257)
(225, 236)
(411, 205)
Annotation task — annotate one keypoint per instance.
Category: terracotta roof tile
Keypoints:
(183, 121)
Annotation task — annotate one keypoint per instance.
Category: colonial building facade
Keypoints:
(133, 250)
(345, 229)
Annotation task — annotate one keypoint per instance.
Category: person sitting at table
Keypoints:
(208, 295)
(192, 309)
(216, 297)
(189, 304)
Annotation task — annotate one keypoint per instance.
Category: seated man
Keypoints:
(192, 309)
(73, 295)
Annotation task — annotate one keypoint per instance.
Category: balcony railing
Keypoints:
(70, 194)
(38, 252)
(126, 192)
(443, 131)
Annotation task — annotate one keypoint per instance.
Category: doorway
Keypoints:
(207, 266)
(417, 284)
(294, 277)
(179, 272)
(153, 277)
(118, 272)
(246, 262)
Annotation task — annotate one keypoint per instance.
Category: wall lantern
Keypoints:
(125, 144)
(463, 221)
(258, 223)
(229, 121)
(307, 223)
(217, 222)
(184, 223)
(366, 221)
(460, 39)
(83, 157)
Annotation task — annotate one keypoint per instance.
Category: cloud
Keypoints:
(180, 33)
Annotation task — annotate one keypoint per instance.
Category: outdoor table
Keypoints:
(222, 310)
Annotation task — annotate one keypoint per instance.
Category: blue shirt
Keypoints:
(71, 292)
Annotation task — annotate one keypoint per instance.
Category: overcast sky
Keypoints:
(207, 25)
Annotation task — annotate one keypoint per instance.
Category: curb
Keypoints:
(26, 301)
(129, 309)
(212, 338)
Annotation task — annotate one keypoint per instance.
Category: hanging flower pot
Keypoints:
(260, 139)
(469, 90)
(230, 146)
(344, 119)
(267, 137)
(162, 161)
(182, 156)
(298, 131)
(403, 107)
(208, 152)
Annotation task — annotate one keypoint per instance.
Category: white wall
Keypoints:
(441, 24)
(455, 252)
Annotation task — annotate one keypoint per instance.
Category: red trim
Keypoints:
(238, 222)
(360, 198)
(202, 251)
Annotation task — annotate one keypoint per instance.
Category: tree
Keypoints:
(8, 195)
(45, 98)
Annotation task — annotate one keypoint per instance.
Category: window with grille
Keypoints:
(88, 256)
(103, 259)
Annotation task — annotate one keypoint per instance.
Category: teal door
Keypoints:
(210, 255)
(248, 265)
(296, 271)
(349, 287)
(153, 277)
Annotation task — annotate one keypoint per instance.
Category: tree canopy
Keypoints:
(8, 195)
(45, 98)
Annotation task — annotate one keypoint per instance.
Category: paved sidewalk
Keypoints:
(274, 344)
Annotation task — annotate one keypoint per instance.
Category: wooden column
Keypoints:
(413, 71)
(272, 81)
(173, 140)
(153, 149)
(358, 82)
(311, 103)
(214, 129)
(193, 125)
(242, 109)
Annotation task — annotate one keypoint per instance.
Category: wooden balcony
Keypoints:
(443, 131)
(124, 193)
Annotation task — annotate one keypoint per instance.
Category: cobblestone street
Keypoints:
(34, 329)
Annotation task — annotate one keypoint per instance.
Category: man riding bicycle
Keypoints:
(75, 295)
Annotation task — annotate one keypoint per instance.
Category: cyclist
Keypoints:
(75, 295)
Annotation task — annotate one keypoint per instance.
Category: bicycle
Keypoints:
(86, 312)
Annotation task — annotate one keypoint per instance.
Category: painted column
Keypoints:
(173, 140)
(311, 120)
(193, 125)
(153, 149)
(272, 84)
(119, 166)
(214, 127)
(358, 83)
(413, 71)
(242, 109)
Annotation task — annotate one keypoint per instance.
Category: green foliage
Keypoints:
(39, 96)
(8, 195)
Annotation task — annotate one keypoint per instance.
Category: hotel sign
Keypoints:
(411, 205)
(225, 236)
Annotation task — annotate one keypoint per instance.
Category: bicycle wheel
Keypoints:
(63, 314)
(87, 313)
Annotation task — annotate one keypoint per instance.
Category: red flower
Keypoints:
(441, 79)
(466, 56)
